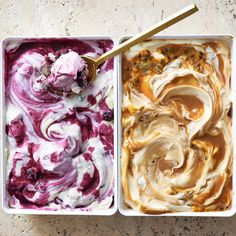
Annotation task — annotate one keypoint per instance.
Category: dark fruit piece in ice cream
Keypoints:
(16, 129)
(32, 173)
(82, 79)
(108, 115)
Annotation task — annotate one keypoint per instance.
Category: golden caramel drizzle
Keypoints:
(199, 199)
(183, 80)
(192, 104)
(215, 143)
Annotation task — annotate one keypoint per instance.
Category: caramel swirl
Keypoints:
(177, 146)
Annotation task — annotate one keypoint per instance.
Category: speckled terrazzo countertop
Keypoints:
(116, 18)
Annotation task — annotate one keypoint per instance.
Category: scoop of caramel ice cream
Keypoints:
(176, 120)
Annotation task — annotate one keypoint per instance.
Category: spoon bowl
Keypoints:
(92, 67)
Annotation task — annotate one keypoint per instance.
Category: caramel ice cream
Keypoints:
(176, 126)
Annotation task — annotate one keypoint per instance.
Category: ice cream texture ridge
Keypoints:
(176, 126)
(60, 147)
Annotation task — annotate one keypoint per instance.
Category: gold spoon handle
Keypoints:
(178, 16)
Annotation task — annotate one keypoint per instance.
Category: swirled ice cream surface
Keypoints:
(176, 122)
(60, 148)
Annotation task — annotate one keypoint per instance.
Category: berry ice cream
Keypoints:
(60, 148)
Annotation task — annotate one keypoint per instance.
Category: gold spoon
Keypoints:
(93, 63)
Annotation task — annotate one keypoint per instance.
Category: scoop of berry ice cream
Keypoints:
(68, 73)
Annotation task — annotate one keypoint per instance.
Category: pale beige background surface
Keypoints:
(114, 17)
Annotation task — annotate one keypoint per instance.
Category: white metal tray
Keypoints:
(6, 208)
(123, 208)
